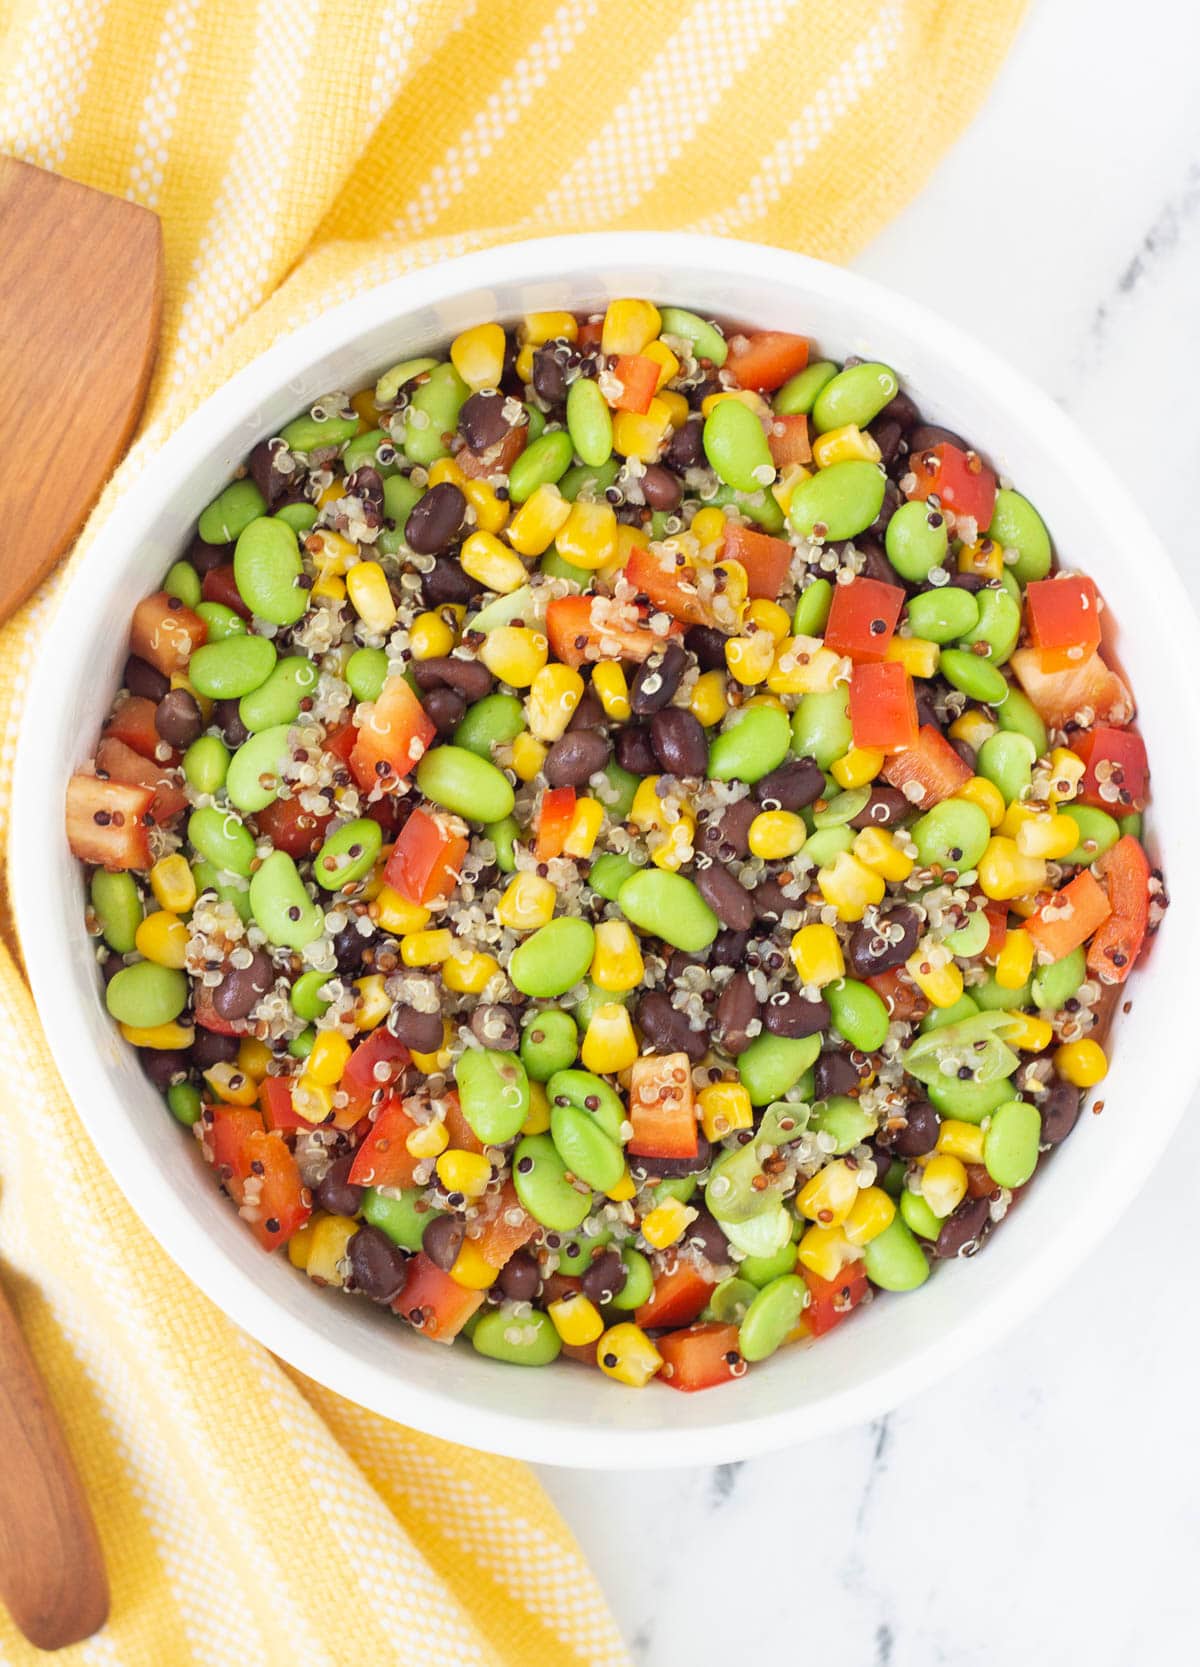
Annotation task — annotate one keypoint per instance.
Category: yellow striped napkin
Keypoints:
(297, 154)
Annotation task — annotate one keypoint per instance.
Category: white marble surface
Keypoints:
(1041, 1506)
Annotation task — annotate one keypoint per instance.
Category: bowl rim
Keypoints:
(563, 1441)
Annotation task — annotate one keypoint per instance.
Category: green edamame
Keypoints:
(301, 518)
(281, 905)
(639, 1280)
(823, 846)
(387, 389)
(220, 622)
(494, 1093)
(970, 940)
(894, 1259)
(1006, 760)
(1098, 832)
(583, 481)
(622, 786)
(842, 808)
(255, 772)
(553, 959)
(736, 447)
(400, 497)
(146, 994)
(279, 699)
(916, 541)
(208, 878)
(1054, 985)
(589, 421)
(543, 463)
(307, 1001)
(494, 721)
(772, 1316)
(1018, 716)
(821, 728)
(812, 610)
(731, 1299)
(844, 1119)
(319, 429)
(669, 907)
(772, 1065)
(183, 582)
(838, 502)
(755, 743)
(530, 1340)
(403, 1218)
(944, 614)
(917, 1215)
(1016, 525)
(953, 835)
(703, 338)
(592, 1094)
(610, 872)
(549, 1043)
(540, 1177)
(857, 1013)
(1010, 1143)
(375, 450)
(938, 1018)
(761, 1270)
(231, 668)
(185, 1103)
(856, 395)
(999, 624)
(585, 1148)
(799, 394)
(231, 512)
(468, 785)
(366, 673)
(504, 836)
(760, 507)
(433, 415)
(118, 908)
(971, 673)
(348, 855)
(222, 839)
(301, 1046)
(968, 1101)
(206, 764)
(267, 568)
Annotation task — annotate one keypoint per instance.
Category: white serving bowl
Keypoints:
(564, 1416)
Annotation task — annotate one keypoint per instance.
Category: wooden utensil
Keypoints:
(80, 305)
(51, 1569)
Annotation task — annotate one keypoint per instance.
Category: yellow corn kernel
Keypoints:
(708, 525)
(173, 884)
(674, 405)
(1014, 815)
(576, 1318)
(372, 1002)
(528, 755)
(612, 690)
(668, 364)
(492, 564)
(1015, 960)
(677, 846)
(750, 657)
(804, 666)
(470, 973)
(817, 955)
(825, 1251)
(588, 537)
(367, 588)
(446, 469)
(648, 812)
(328, 1260)
(609, 1044)
(478, 356)
(878, 849)
(1027, 1033)
(426, 949)
(427, 1140)
(943, 1184)
(253, 1057)
(859, 766)
(231, 1085)
(623, 1190)
(300, 1244)
(628, 539)
(749, 397)
(539, 328)
(1052, 837)
(666, 1223)
(1083, 1064)
(829, 1196)
(171, 1035)
(329, 588)
(784, 489)
(776, 834)
(936, 974)
(984, 794)
(708, 703)
(329, 1057)
(431, 637)
(629, 326)
(428, 1063)
(917, 655)
(491, 512)
(974, 726)
(724, 1107)
(538, 1120)
(331, 494)
(515, 654)
(524, 362)
(396, 914)
(534, 527)
(1066, 772)
(985, 558)
(163, 938)
(769, 616)
(1005, 873)
(627, 1354)
(331, 553)
(848, 444)
(465, 1172)
(870, 1213)
(585, 828)
(642, 436)
(550, 704)
(363, 402)
(850, 886)
(527, 903)
(963, 1141)
(471, 1270)
(617, 963)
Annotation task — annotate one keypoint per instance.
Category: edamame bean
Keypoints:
(575, 1254)
(433, 415)
(1054, 985)
(348, 855)
(301, 518)
(220, 622)
(118, 908)
(184, 1103)
(760, 507)
(639, 1280)
(755, 743)
(1007, 760)
(999, 623)
(1010, 1143)
(592, 1094)
(229, 669)
(731, 1299)
(916, 541)
(918, 1216)
(403, 1218)
(589, 421)
(526, 604)
(307, 1001)
(736, 447)
(842, 808)
(319, 429)
(388, 387)
(553, 959)
(206, 764)
(974, 676)
(543, 462)
(857, 1013)
(772, 1065)
(281, 905)
(540, 1177)
(1132, 824)
(944, 614)
(838, 502)
(400, 497)
(823, 846)
(504, 836)
(301, 1046)
(221, 838)
(582, 481)
(1098, 832)
(763, 1234)
(1018, 716)
(182, 581)
(1016, 525)
(969, 940)
(856, 395)
(609, 873)
(812, 610)
(938, 1017)
(669, 907)
(623, 785)
(366, 673)
(593, 999)
(529, 1340)
(953, 835)
(772, 1317)
(799, 394)
(821, 727)
(549, 1043)
(585, 1148)
(146, 994)
(468, 785)
(255, 773)
(365, 449)
(761, 1270)
(705, 340)
(844, 1119)
(969, 1101)
(267, 568)
(992, 997)
(493, 1091)
(279, 699)
(231, 512)
(208, 878)
(894, 1260)
(494, 721)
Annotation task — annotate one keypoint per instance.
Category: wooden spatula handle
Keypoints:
(51, 1569)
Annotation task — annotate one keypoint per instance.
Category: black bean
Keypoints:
(205, 557)
(964, 1229)
(706, 1235)
(974, 582)
(435, 520)
(664, 1169)
(924, 436)
(366, 484)
(872, 950)
(422, 1032)
(888, 436)
(212, 1048)
(521, 1278)
(698, 392)
(605, 1278)
(494, 1026)
(667, 1030)
(575, 758)
(228, 721)
(471, 678)
(918, 1135)
(590, 713)
(348, 946)
(661, 489)
(686, 448)
(884, 809)
(164, 1066)
(656, 681)
(242, 988)
(728, 835)
(445, 709)
(110, 967)
(178, 719)
(892, 499)
(678, 963)
(728, 948)
(335, 1193)
(901, 408)
(965, 751)
(442, 1240)
(679, 742)
(708, 645)
(736, 1010)
(726, 896)
(446, 582)
(926, 711)
(141, 678)
(1060, 1111)
(635, 751)
(482, 422)
(271, 482)
(834, 1073)
(771, 901)
(799, 782)
(549, 374)
(378, 1268)
(788, 1013)
(632, 515)
(875, 562)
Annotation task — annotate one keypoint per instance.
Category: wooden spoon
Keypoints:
(80, 304)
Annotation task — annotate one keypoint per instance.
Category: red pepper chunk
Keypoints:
(883, 707)
(426, 858)
(1115, 948)
(1070, 917)
(787, 437)
(701, 1357)
(576, 640)
(1117, 773)
(1063, 616)
(291, 828)
(961, 481)
(258, 1172)
(121, 763)
(832, 1299)
(436, 1305)
(1060, 697)
(131, 722)
(164, 632)
(106, 822)
(373, 1066)
(638, 377)
(765, 559)
(678, 1296)
(506, 1226)
(662, 1107)
(764, 359)
(554, 822)
(932, 764)
(901, 997)
(383, 1159)
(863, 619)
(392, 741)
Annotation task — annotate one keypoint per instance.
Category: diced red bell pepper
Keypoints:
(258, 1172)
(788, 440)
(575, 640)
(672, 588)
(341, 741)
(291, 828)
(863, 618)
(223, 1137)
(932, 763)
(1115, 948)
(662, 1107)
(426, 858)
(393, 740)
(462, 1136)
(1088, 692)
(383, 1159)
(207, 1016)
(120, 763)
(362, 1077)
(961, 480)
(883, 707)
(765, 559)
(832, 1299)
(700, 1357)
(764, 359)
(1070, 917)
(106, 822)
(436, 1305)
(131, 722)
(591, 332)
(997, 917)
(1063, 616)
(979, 1182)
(164, 632)
(638, 377)
(275, 1104)
(219, 584)
(556, 1286)
(1116, 761)
(555, 814)
(498, 459)
(902, 998)
(507, 1226)
(679, 1295)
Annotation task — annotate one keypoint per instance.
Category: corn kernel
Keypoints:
(848, 444)
(624, 1188)
(985, 558)
(331, 553)
(1005, 873)
(585, 828)
(426, 949)
(750, 657)
(470, 1269)
(630, 539)
(675, 406)
(553, 696)
(329, 1057)
(527, 903)
(491, 512)
(492, 564)
(850, 886)
(363, 402)
(769, 616)
(974, 727)
(428, 1063)
(936, 974)
(539, 328)
(612, 690)
(253, 1057)
(666, 1223)
(1083, 1064)
(533, 528)
(372, 1002)
(331, 494)
(617, 963)
(986, 796)
(871, 1212)
(328, 1260)
(430, 638)
(367, 588)
(878, 849)
(917, 655)
(515, 654)
(538, 1120)
(668, 364)
(465, 1172)
(478, 356)
(588, 537)
(300, 1244)
(859, 766)
(173, 884)
(642, 436)
(528, 755)
(1027, 1033)
(943, 1184)
(708, 703)
(1052, 837)
(708, 525)
(427, 1140)
(1066, 772)
(329, 588)
(817, 955)
(469, 974)
(629, 326)
(963, 1141)
(825, 1251)
(829, 1196)
(396, 914)
(784, 489)
(627, 1354)
(524, 362)
(170, 1035)
(1015, 960)
(724, 1107)
(804, 666)
(1015, 815)
(163, 938)
(776, 834)
(609, 1044)
(749, 397)
(231, 1085)
(576, 1319)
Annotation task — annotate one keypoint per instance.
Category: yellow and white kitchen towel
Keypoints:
(297, 154)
